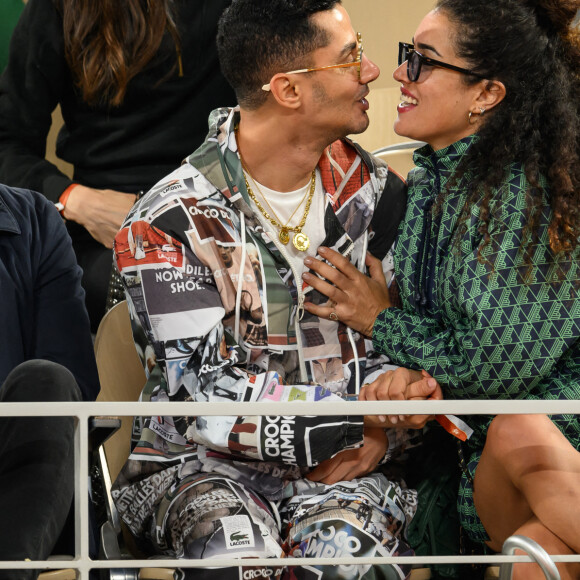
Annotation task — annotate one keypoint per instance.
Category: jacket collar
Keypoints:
(217, 159)
(349, 179)
(446, 159)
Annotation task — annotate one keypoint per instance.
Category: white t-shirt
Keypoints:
(284, 204)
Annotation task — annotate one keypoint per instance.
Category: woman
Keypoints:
(135, 80)
(487, 258)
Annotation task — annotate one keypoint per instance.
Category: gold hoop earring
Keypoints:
(470, 115)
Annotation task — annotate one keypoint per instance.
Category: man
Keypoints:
(46, 354)
(212, 260)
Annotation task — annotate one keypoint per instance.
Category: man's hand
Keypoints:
(401, 385)
(353, 463)
(100, 211)
(356, 299)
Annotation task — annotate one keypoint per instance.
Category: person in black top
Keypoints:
(135, 86)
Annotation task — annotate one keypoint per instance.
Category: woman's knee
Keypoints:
(509, 432)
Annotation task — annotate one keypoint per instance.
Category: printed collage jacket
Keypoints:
(219, 314)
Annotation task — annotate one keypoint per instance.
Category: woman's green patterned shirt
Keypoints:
(482, 332)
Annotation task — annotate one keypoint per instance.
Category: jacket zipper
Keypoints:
(421, 294)
(424, 294)
(299, 308)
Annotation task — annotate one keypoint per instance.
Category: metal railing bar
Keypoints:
(82, 496)
(85, 410)
(473, 407)
(234, 562)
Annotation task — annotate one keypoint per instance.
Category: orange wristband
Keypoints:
(60, 205)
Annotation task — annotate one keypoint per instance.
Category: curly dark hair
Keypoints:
(259, 38)
(533, 49)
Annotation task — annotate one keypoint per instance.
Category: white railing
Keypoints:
(82, 563)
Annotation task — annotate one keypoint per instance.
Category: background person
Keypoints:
(211, 258)
(487, 257)
(9, 13)
(135, 82)
(46, 354)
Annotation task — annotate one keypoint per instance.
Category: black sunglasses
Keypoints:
(415, 60)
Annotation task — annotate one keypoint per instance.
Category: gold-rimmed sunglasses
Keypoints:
(356, 64)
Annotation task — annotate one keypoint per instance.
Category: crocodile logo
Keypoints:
(238, 537)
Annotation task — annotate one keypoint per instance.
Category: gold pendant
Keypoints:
(301, 242)
(283, 236)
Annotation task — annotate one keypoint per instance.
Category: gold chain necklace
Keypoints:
(300, 240)
(271, 208)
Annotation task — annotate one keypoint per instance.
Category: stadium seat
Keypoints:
(399, 156)
(122, 378)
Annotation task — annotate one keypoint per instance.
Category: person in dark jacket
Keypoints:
(135, 88)
(46, 354)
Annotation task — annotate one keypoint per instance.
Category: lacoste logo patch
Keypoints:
(238, 532)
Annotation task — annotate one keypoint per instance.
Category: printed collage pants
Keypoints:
(210, 516)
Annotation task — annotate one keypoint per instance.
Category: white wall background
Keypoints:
(383, 23)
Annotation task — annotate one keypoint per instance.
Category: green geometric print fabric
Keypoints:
(475, 326)
(478, 328)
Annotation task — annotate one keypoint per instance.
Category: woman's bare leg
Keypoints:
(535, 530)
(528, 468)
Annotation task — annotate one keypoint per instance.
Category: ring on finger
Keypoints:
(333, 316)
